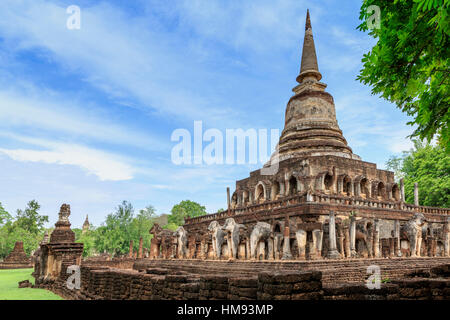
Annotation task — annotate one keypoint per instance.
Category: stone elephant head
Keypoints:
(232, 228)
(418, 219)
(218, 237)
(262, 231)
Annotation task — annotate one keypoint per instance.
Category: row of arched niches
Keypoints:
(358, 186)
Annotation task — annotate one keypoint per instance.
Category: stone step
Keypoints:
(352, 270)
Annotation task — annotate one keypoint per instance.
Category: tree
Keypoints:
(429, 166)
(5, 217)
(27, 226)
(185, 208)
(141, 225)
(171, 226)
(114, 235)
(409, 65)
(29, 219)
(88, 240)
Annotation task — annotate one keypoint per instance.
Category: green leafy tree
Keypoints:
(395, 164)
(141, 224)
(29, 219)
(27, 226)
(5, 217)
(171, 226)
(429, 166)
(115, 233)
(185, 208)
(88, 239)
(409, 65)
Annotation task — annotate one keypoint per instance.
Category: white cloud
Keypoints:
(55, 113)
(250, 24)
(148, 68)
(104, 165)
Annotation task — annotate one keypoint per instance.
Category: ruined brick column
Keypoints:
(347, 241)
(140, 248)
(397, 237)
(353, 236)
(402, 189)
(282, 192)
(416, 194)
(287, 255)
(317, 236)
(341, 241)
(204, 247)
(301, 243)
(130, 253)
(428, 245)
(376, 239)
(434, 247)
(332, 251)
(270, 249)
(392, 247)
(286, 184)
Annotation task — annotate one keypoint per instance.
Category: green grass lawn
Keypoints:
(9, 287)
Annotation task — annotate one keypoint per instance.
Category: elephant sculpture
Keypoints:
(364, 233)
(262, 231)
(158, 246)
(181, 241)
(233, 230)
(218, 238)
(412, 231)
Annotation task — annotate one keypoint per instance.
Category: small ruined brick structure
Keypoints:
(17, 258)
(314, 199)
(61, 252)
(86, 225)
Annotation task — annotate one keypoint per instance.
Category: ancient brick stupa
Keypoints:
(17, 258)
(315, 199)
(86, 225)
(61, 252)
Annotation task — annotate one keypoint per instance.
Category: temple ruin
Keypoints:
(60, 252)
(315, 199)
(17, 258)
(86, 226)
(306, 226)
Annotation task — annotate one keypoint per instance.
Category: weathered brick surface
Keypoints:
(17, 258)
(331, 271)
(117, 284)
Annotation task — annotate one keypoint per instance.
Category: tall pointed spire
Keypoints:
(309, 68)
(311, 127)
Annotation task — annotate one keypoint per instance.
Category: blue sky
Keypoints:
(86, 115)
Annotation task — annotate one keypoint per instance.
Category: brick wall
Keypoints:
(121, 263)
(158, 283)
(333, 271)
(110, 283)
